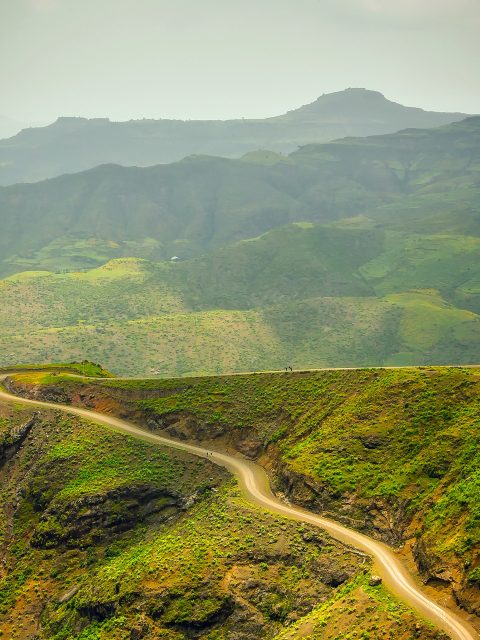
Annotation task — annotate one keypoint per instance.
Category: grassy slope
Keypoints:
(195, 558)
(393, 278)
(85, 368)
(315, 333)
(393, 451)
(424, 178)
(302, 294)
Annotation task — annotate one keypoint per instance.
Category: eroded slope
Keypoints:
(106, 537)
(390, 452)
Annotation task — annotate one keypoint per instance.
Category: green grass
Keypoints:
(431, 329)
(358, 611)
(403, 440)
(304, 294)
(85, 368)
(406, 328)
(110, 467)
(165, 574)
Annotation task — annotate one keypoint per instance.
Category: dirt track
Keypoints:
(255, 485)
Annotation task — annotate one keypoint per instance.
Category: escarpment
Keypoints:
(110, 534)
(385, 417)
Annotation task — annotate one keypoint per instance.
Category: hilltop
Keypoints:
(70, 144)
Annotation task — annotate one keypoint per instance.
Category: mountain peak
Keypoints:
(357, 104)
(354, 91)
(73, 144)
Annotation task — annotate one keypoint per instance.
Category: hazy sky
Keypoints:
(232, 58)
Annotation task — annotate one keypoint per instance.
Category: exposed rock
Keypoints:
(467, 596)
(371, 441)
(335, 578)
(139, 630)
(250, 447)
(382, 519)
(184, 426)
(47, 394)
(386, 519)
(69, 595)
(13, 440)
(91, 518)
(98, 612)
(429, 564)
(375, 581)
(313, 536)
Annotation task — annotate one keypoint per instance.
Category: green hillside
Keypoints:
(305, 295)
(391, 452)
(75, 144)
(424, 181)
(104, 537)
(354, 253)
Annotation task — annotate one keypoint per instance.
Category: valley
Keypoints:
(240, 320)
(138, 398)
(360, 252)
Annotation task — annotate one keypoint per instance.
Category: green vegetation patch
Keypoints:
(367, 442)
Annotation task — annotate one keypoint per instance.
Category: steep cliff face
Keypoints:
(390, 519)
(423, 423)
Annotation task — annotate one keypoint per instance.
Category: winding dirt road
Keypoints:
(255, 485)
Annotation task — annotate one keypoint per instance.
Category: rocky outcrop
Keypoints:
(184, 426)
(12, 441)
(436, 571)
(92, 518)
(382, 519)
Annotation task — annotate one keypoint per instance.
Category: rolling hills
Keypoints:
(364, 251)
(416, 180)
(306, 295)
(74, 144)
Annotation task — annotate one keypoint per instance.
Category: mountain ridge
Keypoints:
(350, 100)
(73, 144)
(205, 202)
(362, 251)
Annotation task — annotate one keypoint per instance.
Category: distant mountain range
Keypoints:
(418, 179)
(357, 252)
(70, 145)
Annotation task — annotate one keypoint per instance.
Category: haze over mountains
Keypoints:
(417, 180)
(74, 144)
(362, 251)
(359, 252)
(10, 127)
